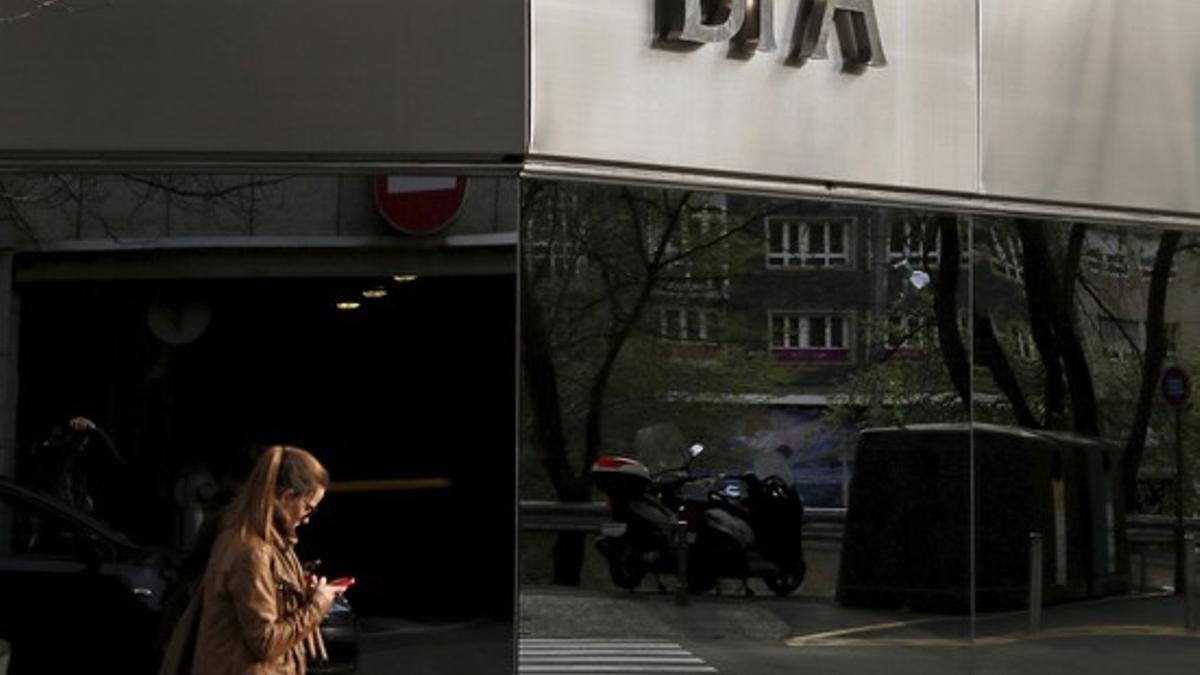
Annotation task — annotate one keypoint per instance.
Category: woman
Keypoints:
(260, 612)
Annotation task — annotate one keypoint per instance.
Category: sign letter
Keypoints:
(758, 32)
(857, 29)
(701, 20)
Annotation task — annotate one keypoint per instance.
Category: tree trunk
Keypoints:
(945, 308)
(1156, 351)
(542, 388)
(989, 351)
(1039, 279)
(1084, 409)
(568, 558)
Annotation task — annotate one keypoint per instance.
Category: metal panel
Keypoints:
(1092, 101)
(309, 78)
(605, 90)
(794, 189)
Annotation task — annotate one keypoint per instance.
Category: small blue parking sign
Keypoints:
(1175, 386)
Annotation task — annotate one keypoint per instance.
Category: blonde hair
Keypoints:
(280, 468)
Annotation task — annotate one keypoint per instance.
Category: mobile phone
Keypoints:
(344, 582)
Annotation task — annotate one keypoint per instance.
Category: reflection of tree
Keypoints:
(1050, 381)
(1051, 265)
(22, 10)
(1156, 349)
(597, 262)
(42, 207)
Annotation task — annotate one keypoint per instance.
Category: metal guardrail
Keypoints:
(820, 524)
(563, 516)
(1148, 529)
(824, 524)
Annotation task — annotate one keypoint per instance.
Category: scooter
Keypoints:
(655, 519)
(774, 513)
(672, 522)
(733, 525)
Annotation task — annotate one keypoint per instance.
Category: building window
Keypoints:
(793, 243)
(1171, 328)
(1104, 254)
(1121, 340)
(1120, 254)
(557, 259)
(689, 324)
(809, 338)
(908, 336)
(1006, 254)
(699, 250)
(919, 244)
(1023, 344)
(905, 337)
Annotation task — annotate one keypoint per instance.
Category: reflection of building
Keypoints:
(823, 293)
(1117, 265)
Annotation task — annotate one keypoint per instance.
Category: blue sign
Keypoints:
(1175, 386)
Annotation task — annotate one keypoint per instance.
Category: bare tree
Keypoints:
(1050, 289)
(595, 261)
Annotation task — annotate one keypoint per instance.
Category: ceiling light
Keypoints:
(347, 306)
(404, 278)
(375, 293)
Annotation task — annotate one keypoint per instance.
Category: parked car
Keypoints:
(78, 596)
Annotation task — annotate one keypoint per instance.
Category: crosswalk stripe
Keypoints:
(604, 652)
(633, 649)
(592, 643)
(599, 656)
(630, 668)
(609, 659)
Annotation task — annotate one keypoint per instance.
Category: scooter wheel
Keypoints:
(625, 565)
(783, 582)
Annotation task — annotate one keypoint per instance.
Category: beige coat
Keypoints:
(257, 615)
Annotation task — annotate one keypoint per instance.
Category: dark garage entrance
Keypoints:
(416, 384)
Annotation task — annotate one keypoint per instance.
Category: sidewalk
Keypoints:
(556, 612)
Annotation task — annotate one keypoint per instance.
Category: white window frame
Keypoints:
(918, 257)
(1006, 260)
(1105, 254)
(917, 340)
(716, 282)
(562, 258)
(798, 333)
(795, 229)
(1113, 339)
(707, 320)
(1023, 342)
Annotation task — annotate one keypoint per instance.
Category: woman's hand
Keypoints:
(323, 593)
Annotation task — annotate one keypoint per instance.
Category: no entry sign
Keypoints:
(419, 205)
(1175, 386)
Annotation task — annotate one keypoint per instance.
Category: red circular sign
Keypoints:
(1176, 386)
(419, 204)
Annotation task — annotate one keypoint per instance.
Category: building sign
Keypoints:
(751, 25)
(1176, 386)
(663, 83)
